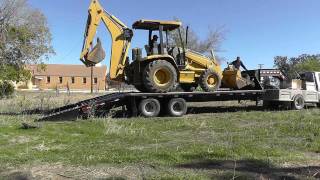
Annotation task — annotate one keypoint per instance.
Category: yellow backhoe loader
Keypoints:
(165, 65)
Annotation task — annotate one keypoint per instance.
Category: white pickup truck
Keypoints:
(299, 93)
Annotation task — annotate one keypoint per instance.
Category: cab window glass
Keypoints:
(308, 77)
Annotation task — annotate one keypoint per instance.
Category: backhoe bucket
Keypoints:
(96, 55)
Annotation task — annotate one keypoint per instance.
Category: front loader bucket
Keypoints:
(233, 79)
(96, 55)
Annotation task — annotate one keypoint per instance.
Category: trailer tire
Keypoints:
(177, 107)
(150, 107)
(298, 103)
(209, 81)
(159, 76)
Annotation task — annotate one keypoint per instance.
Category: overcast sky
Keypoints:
(257, 30)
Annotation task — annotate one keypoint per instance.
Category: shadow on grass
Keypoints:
(253, 169)
(221, 109)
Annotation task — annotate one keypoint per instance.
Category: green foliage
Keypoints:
(6, 89)
(25, 37)
(14, 73)
(292, 66)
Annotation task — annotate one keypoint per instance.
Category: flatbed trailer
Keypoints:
(175, 103)
(146, 104)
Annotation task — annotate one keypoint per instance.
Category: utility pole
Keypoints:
(261, 66)
(91, 79)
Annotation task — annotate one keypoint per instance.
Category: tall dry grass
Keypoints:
(24, 102)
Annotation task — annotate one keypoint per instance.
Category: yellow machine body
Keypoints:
(194, 65)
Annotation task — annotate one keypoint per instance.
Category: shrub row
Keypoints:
(6, 89)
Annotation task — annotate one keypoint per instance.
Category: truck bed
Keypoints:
(287, 95)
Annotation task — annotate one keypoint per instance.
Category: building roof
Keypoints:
(65, 70)
(154, 25)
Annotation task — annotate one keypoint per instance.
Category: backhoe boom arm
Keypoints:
(120, 36)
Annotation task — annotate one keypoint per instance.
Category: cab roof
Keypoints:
(154, 25)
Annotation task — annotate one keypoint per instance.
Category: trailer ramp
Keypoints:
(76, 110)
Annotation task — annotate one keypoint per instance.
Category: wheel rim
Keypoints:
(299, 103)
(177, 107)
(212, 81)
(150, 107)
(162, 77)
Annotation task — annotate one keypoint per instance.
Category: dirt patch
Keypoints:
(59, 171)
(20, 140)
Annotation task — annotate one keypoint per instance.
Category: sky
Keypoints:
(256, 30)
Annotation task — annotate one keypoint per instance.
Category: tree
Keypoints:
(292, 66)
(25, 37)
(212, 41)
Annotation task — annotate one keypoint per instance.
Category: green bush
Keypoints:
(6, 89)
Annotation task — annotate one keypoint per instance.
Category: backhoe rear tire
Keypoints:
(159, 76)
(209, 81)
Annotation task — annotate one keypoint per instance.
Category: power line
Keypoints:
(260, 66)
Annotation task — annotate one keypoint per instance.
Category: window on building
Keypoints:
(95, 80)
(84, 80)
(72, 80)
(48, 79)
(60, 80)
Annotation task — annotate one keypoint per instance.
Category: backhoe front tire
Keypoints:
(159, 76)
(209, 81)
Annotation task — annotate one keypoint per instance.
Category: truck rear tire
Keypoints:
(150, 107)
(159, 76)
(298, 103)
(209, 81)
(177, 107)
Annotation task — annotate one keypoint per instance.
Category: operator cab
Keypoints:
(158, 28)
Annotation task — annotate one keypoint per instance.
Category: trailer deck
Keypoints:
(103, 104)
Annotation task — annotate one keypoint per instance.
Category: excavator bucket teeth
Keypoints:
(96, 55)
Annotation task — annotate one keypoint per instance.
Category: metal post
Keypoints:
(260, 66)
(91, 79)
(161, 39)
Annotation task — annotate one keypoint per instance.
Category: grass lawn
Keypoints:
(221, 145)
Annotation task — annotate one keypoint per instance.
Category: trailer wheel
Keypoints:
(150, 107)
(209, 81)
(177, 107)
(298, 103)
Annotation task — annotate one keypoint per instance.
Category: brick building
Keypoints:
(72, 77)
